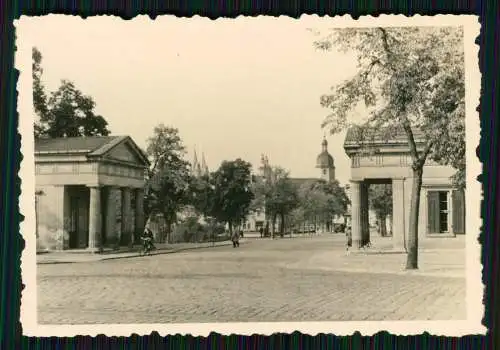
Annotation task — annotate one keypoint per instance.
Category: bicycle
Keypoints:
(147, 246)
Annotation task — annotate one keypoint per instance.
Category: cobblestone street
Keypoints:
(263, 280)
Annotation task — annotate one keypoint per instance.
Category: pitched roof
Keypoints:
(355, 136)
(89, 145)
(73, 144)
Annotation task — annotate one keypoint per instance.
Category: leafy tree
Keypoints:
(232, 194)
(297, 217)
(201, 189)
(412, 80)
(322, 199)
(337, 197)
(380, 197)
(168, 178)
(452, 152)
(67, 112)
(277, 194)
(39, 95)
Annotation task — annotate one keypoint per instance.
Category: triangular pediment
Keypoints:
(124, 153)
(123, 150)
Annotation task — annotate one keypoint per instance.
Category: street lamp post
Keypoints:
(209, 193)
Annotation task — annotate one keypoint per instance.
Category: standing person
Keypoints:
(348, 234)
(236, 238)
(261, 231)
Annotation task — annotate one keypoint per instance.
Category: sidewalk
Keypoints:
(439, 257)
(442, 264)
(65, 257)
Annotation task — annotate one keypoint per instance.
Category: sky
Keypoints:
(235, 88)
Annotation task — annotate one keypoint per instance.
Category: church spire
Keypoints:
(204, 166)
(196, 166)
(195, 160)
(324, 144)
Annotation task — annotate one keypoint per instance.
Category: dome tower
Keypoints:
(325, 163)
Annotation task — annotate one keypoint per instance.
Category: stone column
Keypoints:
(139, 211)
(365, 225)
(398, 214)
(95, 219)
(126, 212)
(112, 236)
(356, 224)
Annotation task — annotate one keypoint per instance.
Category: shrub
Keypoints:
(191, 230)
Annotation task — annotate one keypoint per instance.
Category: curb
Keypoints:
(164, 251)
(136, 254)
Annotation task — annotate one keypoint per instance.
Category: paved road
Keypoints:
(263, 280)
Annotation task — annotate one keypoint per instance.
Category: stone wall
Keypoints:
(52, 224)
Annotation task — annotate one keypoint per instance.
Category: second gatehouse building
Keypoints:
(377, 159)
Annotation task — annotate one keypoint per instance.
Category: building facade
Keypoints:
(89, 192)
(378, 159)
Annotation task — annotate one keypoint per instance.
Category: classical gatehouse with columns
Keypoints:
(377, 158)
(89, 192)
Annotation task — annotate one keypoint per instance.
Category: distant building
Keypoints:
(198, 169)
(326, 165)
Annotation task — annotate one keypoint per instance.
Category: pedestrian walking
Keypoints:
(236, 238)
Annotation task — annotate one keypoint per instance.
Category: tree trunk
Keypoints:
(412, 258)
(230, 225)
(383, 225)
(273, 225)
(282, 226)
(169, 231)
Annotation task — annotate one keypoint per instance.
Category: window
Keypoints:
(438, 211)
(443, 211)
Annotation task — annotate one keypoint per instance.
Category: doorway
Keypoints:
(78, 217)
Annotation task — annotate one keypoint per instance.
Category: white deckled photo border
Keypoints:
(475, 307)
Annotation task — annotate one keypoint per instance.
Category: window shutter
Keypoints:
(433, 211)
(458, 212)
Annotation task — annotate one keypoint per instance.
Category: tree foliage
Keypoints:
(380, 198)
(67, 112)
(411, 79)
(232, 194)
(202, 194)
(169, 175)
(276, 194)
(323, 199)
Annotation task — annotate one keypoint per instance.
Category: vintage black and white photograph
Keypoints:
(256, 172)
